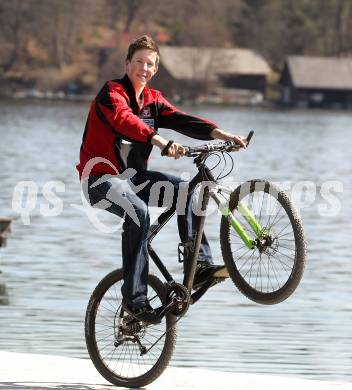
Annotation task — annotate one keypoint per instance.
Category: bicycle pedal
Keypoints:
(219, 280)
(221, 274)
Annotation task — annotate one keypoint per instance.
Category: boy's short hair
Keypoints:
(143, 42)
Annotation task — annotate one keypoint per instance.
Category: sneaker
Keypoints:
(143, 313)
(206, 272)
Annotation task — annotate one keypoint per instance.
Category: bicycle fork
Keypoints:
(248, 216)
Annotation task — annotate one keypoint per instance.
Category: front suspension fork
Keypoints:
(248, 216)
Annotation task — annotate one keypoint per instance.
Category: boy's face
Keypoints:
(142, 67)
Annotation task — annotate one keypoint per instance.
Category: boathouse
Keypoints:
(317, 82)
(189, 71)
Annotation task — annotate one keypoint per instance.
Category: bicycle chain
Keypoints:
(167, 330)
(173, 288)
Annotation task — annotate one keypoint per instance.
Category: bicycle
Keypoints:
(263, 247)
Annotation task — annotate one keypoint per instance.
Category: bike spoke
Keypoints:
(126, 359)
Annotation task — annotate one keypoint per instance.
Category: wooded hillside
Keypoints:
(50, 44)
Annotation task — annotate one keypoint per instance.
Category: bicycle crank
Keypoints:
(179, 298)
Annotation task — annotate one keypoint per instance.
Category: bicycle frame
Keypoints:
(190, 260)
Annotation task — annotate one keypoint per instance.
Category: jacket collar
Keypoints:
(126, 82)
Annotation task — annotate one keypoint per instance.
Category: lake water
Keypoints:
(51, 265)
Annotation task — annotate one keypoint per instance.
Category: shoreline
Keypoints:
(266, 105)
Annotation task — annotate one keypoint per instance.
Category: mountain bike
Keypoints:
(263, 247)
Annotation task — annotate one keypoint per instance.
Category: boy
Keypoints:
(121, 129)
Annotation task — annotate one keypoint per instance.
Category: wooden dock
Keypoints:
(5, 229)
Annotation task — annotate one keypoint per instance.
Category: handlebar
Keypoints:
(227, 146)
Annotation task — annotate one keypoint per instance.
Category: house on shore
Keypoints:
(230, 75)
(317, 82)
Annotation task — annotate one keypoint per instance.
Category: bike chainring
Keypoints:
(181, 297)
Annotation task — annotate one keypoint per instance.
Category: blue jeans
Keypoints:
(132, 203)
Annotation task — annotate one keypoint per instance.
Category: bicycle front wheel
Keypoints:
(271, 270)
(127, 352)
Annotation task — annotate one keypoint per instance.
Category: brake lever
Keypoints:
(232, 146)
(189, 151)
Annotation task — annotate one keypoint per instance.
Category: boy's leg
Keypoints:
(185, 217)
(206, 270)
(123, 202)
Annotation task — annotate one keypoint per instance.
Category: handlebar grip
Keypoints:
(249, 136)
(165, 151)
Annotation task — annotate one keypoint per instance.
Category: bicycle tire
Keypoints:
(238, 258)
(108, 289)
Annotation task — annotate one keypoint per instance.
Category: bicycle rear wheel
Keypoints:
(271, 271)
(119, 347)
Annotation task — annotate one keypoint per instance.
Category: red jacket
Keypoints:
(115, 116)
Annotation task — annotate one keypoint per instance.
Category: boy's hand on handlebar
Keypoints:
(174, 150)
(239, 140)
(224, 136)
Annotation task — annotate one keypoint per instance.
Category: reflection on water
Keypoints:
(51, 266)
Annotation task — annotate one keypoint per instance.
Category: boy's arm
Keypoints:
(170, 117)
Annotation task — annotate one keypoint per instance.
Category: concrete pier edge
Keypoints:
(23, 371)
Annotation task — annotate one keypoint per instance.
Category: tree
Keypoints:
(13, 17)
